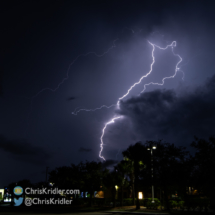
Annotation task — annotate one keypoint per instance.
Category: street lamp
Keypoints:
(152, 147)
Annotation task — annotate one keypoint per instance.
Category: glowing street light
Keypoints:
(152, 147)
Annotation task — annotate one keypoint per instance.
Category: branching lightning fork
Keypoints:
(172, 45)
(64, 79)
(67, 73)
(76, 111)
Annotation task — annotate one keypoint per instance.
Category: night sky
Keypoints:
(57, 56)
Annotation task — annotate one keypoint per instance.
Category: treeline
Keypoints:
(174, 168)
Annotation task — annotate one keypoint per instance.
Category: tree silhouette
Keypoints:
(110, 181)
(168, 165)
(122, 169)
(203, 170)
(93, 177)
(135, 154)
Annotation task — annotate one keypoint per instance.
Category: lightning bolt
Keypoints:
(103, 132)
(172, 45)
(177, 68)
(77, 110)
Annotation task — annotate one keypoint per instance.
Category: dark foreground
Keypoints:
(66, 210)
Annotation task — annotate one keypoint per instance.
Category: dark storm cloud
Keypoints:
(82, 149)
(109, 163)
(176, 118)
(23, 151)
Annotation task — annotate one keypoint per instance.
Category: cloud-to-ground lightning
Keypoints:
(103, 132)
(172, 45)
